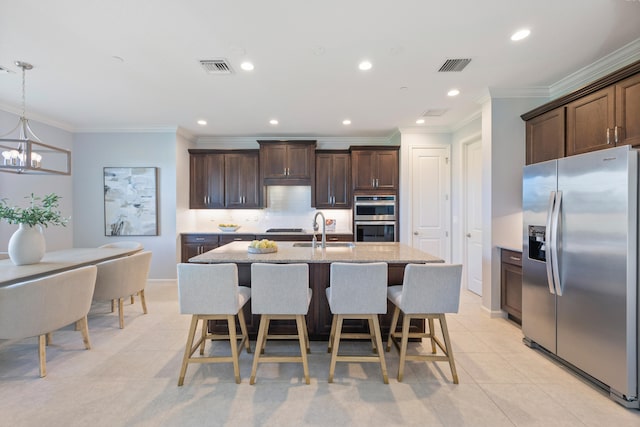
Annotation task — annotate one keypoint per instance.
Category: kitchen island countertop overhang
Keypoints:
(392, 253)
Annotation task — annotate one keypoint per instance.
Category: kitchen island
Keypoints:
(396, 255)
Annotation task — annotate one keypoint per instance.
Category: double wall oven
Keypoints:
(375, 218)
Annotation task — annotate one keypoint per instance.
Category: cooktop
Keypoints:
(284, 230)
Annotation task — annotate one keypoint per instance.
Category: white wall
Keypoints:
(503, 139)
(95, 151)
(15, 187)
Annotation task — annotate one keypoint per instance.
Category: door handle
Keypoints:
(608, 140)
(555, 235)
(468, 234)
(415, 233)
(615, 134)
(549, 241)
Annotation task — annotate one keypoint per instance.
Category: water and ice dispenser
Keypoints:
(537, 247)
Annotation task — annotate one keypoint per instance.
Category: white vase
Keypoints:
(27, 245)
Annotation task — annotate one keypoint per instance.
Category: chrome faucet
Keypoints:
(324, 228)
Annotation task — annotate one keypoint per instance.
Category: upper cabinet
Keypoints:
(332, 187)
(374, 168)
(206, 181)
(222, 179)
(545, 136)
(604, 114)
(287, 162)
(242, 180)
(627, 128)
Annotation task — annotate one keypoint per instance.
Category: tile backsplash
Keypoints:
(286, 207)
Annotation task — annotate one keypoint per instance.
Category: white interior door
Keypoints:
(430, 201)
(473, 215)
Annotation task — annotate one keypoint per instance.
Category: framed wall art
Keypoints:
(130, 201)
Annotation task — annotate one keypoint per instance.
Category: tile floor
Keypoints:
(129, 379)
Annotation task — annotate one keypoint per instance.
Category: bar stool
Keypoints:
(280, 291)
(357, 291)
(428, 291)
(211, 292)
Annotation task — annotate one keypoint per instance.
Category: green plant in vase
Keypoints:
(27, 245)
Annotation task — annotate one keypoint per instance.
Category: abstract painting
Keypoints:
(130, 201)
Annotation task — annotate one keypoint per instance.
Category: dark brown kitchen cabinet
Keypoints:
(511, 284)
(235, 237)
(374, 168)
(206, 181)
(196, 244)
(545, 136)
(627, 128)
(287, 162)
(590, 122)
(332, 187)
(242, 180)
(224, 179)
(603, 114)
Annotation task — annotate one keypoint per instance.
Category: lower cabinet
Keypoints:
(196, 244)
(511, 284)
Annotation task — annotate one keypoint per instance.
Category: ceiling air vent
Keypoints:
(434, 112)
(216, 66)
(454, 65)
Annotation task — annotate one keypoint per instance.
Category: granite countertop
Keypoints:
(264, 233)
(361, 252)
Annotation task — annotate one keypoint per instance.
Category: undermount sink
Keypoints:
(329, 244)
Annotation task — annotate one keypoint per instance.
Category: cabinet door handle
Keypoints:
(608, 140)
(199, 239)
(468, 234)
(514, 258)
(615, 134)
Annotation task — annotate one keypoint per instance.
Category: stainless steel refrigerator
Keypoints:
(580, 265)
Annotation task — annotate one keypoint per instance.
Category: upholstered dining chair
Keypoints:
(357, 291)
(428, 291)
(122, 277)
(124, 244)
(280, 292)
(37, 307)
(211, 292)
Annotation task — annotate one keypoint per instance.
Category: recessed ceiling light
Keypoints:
(453, 92)
(247, 66)
(420, 121)
(346, 122)
(273, 121)
(365, 65)
(520, 34)
(202, 122)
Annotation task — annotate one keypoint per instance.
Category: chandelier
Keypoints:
(24, 152)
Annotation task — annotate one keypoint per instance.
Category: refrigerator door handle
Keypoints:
(555, 264)
(549, 242)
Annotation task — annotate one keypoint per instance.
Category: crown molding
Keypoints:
(626, 55)
(425, 129)
(128, 130)
(520, 92)
(38, 118)
(322, 141)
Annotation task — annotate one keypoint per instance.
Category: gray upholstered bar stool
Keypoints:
(357, 291)
(280, 291)
(211, 292)
(428, 291)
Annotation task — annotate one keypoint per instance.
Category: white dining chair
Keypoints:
(122, 277)
(428, 291)
(123, 244)
(37, 307)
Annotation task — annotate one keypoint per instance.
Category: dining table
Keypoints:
(57, 262)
